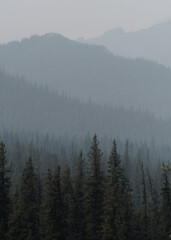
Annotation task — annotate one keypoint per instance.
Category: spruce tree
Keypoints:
(95, 192)
(136, 180)
(52, 219)
(69, 204)
(80, 199)
(126, 160)
(118, 214)
(46, 215)
(112, 196)
(4, 193)
(143, 214)
(24, 221)
(153, 210)
(127, 226)
(165, 206)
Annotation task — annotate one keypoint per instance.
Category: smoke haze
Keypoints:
(77, 18)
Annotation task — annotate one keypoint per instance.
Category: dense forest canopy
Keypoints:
(121, 198)
(47, 150)
(85, 125)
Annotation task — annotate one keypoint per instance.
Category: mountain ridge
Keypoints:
(25, 107)
(90, 72)
(151, 43)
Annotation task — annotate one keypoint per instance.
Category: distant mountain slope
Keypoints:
(90, 72)
(152, 43)
(28, 108)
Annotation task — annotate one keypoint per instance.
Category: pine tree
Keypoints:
(153, 209)
(165, 206)
(69, 204)
(143, 211)
(126, 160)
(111, 211)
(80, 199)
(46, 215)
(127, 226)
(17, 162)
(4, 193)
(118, 212)
(136, 180)
(24, 221)
(52, 219)
(95, 192)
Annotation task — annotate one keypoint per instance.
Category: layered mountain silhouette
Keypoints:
(152, 43)
(27, 108)
(90, 72)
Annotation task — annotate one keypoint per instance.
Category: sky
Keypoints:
(77, 18)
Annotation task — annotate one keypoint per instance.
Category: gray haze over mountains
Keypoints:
(87, 18)
(90, 72)
(152, 43)
(26, 109)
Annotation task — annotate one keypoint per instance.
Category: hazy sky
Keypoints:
(77, 18)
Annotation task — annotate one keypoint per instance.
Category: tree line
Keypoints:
(95, 202)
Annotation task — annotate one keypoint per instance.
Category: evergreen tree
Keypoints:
(127, 226)
(165, 207)
(143, 211)
(80, 199)
(52, 219)
(136, 180)
(4, 193)
(118, 213)
(153, 210)
(95, 191)
(17, 162)
(126, 160)
(69, 205)
(112, 208)
(24, 221)
(46, 216)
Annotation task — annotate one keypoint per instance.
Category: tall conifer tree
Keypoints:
(69, 204)
(80, 199)
(4, 193)
(52, 219)
(165, 206)
(118, 213)
(24, 221)
(95, 191)
(153, 210)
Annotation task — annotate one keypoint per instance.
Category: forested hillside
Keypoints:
(85, 125)
(28, 108)
(89, 72)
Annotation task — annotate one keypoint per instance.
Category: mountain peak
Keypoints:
(114, 31)
(52, 35)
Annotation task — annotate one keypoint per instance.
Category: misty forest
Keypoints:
(85, 136)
